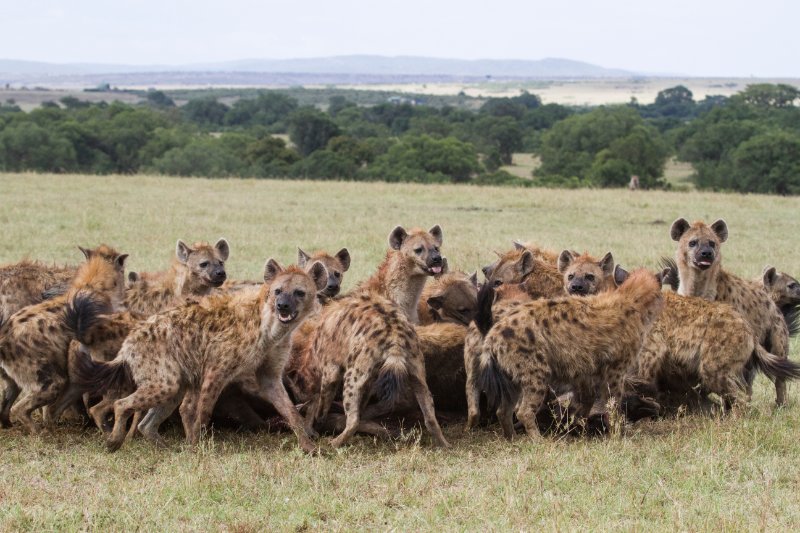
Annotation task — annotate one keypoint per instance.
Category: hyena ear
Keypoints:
(721, 229)
(271, 270)
(397, 237)
(436, 231)
(518, 245)
(473, 278)
(620, 275)
(525, 263)
(344, 258)
(445, 267)
(302, 258)
(488, 269)
(665, 276)
(119, 261)
(565, 259)
(678, 228)
(769, 276)
(87, 253)
(319, 274)
(223, 249)
(435, 302)
(607, 264)
(182, 251)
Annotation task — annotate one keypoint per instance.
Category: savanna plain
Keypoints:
(740, 471)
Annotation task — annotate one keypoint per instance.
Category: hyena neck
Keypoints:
(695, 282)
(397, 281)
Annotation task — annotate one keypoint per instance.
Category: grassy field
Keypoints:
(741, 472)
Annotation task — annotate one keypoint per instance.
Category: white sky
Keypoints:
(695, 37)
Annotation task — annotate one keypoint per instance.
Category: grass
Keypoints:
(691, 473)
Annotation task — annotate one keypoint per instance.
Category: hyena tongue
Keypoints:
(436, 269)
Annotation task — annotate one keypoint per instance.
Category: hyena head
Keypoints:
(512, 267)
(699, 244)
(782, 288)
(103, 273)
(584, 275)
(205, 263)
(455, 298)
(420, 248)
(291, 293)
(336, 265)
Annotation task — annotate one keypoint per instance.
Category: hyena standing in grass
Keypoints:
(188, 355)
(700, 273)
(785, 292)
(196, 270)
(34, 340)
(588, 342)
(369, 335)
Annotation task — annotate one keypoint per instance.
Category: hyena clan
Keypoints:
(35, 339)
(588, 342)
(188, 355)
(701, 274)
(369, 335)
(195, 272)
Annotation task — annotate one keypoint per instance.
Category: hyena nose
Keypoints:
(219, 274)
(578, 288)
(282, 306)
(436, 259)
(706, 254)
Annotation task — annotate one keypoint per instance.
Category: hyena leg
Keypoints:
(274, 392)
(33, 399)
(145, 397)
(68, 398)
(505, 415)
(318, 410)
(416, 377)
(534, 391)
(355, 381)
(188, 411)
(471, 361)
(156, 416)
(213, 383)
(10, 393)
(100, 411)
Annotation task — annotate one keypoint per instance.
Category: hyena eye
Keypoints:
(436, 248)
(418, 250)
(793, 286)
(692, 244)
(204, 264)
(590, 277)
(463, 310)
(300, 293)
(497, 283)
(570, 277)
(337, 275)
(277, 292)
(712, 244)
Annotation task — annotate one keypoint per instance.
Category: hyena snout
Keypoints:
(332, 287)
(218, 276)
(579, 287)
(286, 308)
(434, 262)
(704, 257)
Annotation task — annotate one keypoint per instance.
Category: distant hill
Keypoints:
(370, 65)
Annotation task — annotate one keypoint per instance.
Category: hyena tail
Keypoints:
(483, 315)
(82, 313)
(56, 290)
(97, 377)
(791, 314)
(495, 383)
(773, 366)
(672, 265)
(390, 385)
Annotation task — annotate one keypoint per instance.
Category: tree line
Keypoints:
(749, 142)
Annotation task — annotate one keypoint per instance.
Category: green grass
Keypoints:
(692, 473)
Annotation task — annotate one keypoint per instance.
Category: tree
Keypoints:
(206, 111)
(427, 159)
(778, 95)
(678, 95)
(267, 109)
(159, 99)
(311, 130)
(27, 146)
(768, 163)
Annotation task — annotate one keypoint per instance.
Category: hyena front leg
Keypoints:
(273, 391)
(471, 362)
(419, 387)
(355, 382)
(533, 387)
(321, 404)
(213, 383)
(10, 392)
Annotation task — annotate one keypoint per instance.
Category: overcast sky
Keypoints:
(694, 37)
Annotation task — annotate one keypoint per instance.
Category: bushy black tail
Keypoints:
(83, 312)
(775, 367)
(791, 314)
(496, 384)
(97, 377)
(483, 316)
(669, 262)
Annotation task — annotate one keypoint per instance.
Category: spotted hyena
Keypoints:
(187, 355)
(584, 274)
(451, 297)
(34, 341)
(700, 273)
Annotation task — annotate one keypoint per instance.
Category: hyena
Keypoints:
(584, 274)
(34, 340)
(538, 278)
(195, 272)
(701, 274)
(450, 297)
(709, 341)
(30, 282)
(370, 334)
(188, 355)
(785, 292)
(589, 342)
(336, 266)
